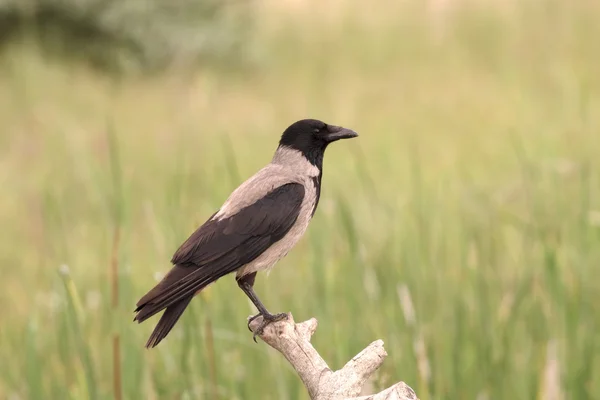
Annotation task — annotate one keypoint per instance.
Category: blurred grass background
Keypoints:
(462, 227)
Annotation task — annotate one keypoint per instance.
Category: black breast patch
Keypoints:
(316, 180)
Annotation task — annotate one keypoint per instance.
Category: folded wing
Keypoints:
(221, 246)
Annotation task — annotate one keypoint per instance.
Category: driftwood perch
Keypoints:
(293, 341)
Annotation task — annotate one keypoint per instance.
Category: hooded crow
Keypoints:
(257, 225)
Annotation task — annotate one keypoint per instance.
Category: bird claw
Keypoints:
(267, 319)
(252, 319)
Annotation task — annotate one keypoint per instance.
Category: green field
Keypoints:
(474, 187)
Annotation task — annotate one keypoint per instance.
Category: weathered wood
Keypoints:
(293, 341)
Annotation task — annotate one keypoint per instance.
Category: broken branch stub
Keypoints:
(293, 341)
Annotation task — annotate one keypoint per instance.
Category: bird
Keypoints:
(257, 225)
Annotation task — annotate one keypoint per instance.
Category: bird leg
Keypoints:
(246, 283)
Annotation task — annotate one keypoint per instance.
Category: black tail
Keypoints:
(167, 321)
(172, 294)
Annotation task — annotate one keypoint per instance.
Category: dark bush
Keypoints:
(129, 35)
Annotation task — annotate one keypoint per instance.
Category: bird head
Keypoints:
(311, 136)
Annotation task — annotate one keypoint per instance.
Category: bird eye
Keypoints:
(316, 130)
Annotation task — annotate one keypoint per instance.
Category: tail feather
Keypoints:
(167, 321)
(172, 294)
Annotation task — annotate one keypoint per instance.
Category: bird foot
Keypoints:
(267, 319)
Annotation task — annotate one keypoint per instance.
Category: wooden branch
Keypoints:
(293, 341)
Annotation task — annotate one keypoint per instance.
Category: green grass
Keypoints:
(474, 187)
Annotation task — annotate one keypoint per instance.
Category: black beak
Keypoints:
(337, 132)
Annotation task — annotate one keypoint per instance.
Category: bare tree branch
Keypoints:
(293, 341)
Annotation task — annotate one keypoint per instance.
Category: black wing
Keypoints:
(219, 247)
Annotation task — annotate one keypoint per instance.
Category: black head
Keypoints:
(311, 137)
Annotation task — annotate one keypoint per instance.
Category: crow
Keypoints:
(257, 225)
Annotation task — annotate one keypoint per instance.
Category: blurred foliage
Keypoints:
(129, 35)
(462, 227)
